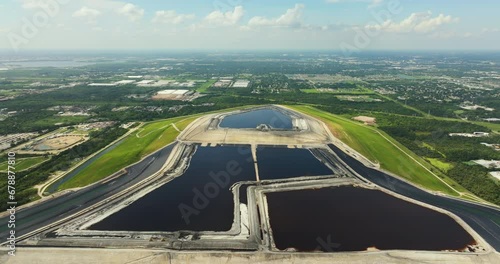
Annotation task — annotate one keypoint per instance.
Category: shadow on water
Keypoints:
(198, 200)
(347, 218)
(252, 119)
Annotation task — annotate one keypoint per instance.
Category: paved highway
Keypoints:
(484, 220)
(35, 217)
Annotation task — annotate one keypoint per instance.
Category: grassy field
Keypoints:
(24, 163)
(495, 127)
(62, 119)
(311, 91)
(376, 146)
(441, 165)
(146, 140)
(204, 87)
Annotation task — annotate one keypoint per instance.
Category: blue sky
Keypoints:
(352, 25)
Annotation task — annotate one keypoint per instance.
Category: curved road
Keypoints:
(40, 215)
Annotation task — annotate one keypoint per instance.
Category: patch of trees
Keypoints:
(436, 109)
(330, 103)
(476, 180)
(26, 122)
(436, 127)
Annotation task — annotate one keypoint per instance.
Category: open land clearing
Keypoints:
(173, 95)
(53, 142)
(59, 142)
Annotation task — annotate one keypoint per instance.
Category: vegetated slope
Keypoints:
(144, 141)
(376, 146)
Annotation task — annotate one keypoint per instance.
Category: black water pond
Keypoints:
(252, 119)
(483, 219)
(282, 163)
(32, 218)
(198, 200)
(348, 218)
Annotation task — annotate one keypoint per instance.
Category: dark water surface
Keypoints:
(252, 119)
(202, 192)
(32, 218)
(282, 163)
(483, 219)
(347, 218)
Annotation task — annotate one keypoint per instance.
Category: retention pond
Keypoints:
(282, 163)
(349, 218)
(198, 200)
(252, 119)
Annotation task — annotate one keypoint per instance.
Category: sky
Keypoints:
(347, 25)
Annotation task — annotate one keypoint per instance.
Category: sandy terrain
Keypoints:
(60, 142)
(104, 256)
(202, 131)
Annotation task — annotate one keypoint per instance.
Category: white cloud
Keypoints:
(87, 13)
(417, 22)
(32, 4)
(291, 18)
(372, 3)
(132, 12)
(431, 24)
(375, 3)
(38, 4)
(451, 34)
(226, 19)
(171, 17)
(490, 30)
(464, 35)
